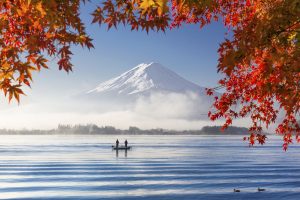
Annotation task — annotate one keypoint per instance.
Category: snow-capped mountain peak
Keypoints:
(146, 78)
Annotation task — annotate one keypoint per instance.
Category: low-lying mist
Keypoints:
(176, 111)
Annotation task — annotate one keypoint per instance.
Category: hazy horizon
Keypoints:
(168, 110)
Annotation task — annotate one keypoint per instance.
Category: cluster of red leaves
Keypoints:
(260, 138)
(262, 68)
(147, 15)
(32, 30)
(260, 63)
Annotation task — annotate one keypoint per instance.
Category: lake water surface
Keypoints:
(158, 167)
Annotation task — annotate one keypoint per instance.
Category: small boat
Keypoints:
(121, 148)
(236, 190)
(261, 189)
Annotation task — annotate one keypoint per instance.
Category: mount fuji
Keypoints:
(150, 90)
(145, 79)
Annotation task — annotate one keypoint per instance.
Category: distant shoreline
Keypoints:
(92, 129)
(204, 134)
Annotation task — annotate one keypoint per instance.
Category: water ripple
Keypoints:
(170, 168)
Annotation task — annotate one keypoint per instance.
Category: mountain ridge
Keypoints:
(145, 78)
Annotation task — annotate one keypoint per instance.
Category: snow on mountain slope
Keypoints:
(149, 91)
(145, 78)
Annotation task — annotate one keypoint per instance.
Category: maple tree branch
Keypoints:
(287, 29)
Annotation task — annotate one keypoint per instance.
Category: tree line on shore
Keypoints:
(132, 130)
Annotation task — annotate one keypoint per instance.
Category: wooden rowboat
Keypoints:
(121, 148)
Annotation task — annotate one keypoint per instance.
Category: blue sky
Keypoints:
(189, 51)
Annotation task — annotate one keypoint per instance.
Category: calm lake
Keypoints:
(157, 167)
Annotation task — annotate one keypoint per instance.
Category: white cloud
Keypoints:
(159, 110)
(187, 106)
(119, 119)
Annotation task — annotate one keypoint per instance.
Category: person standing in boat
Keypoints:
(117, 143)
(126, 143)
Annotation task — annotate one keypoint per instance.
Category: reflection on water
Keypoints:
(158, 167)
(123, 152)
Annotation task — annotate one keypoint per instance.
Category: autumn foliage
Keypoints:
(260, 62)
(33, 31)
